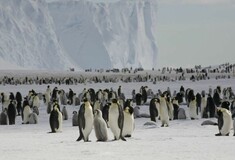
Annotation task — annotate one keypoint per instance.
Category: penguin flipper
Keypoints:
(81, 116)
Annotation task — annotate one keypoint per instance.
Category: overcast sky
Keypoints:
(192, 32)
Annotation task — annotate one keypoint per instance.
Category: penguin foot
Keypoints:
(218, 134)
(128, 136)
(227, 134)
(162, 125)
(122, 138)
(234, 134)
(79, 138)
(192, 118)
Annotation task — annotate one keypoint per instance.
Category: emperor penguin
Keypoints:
(11, 112)
(3, 117)
(85, 120)
(33, 118)
(55, 119)
(153, 109)
(128, 125)
(193, 108)
(100, 126)
(26, 112)
(224, 121)
(164, 116)
(75, 118)
(234, 127)
(65, 113)
(204, 113)
(116, 119)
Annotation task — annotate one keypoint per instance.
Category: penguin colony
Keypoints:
(108, 109)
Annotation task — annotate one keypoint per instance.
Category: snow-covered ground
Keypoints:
(183, 139)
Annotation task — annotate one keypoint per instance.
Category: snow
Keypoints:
(183, 139)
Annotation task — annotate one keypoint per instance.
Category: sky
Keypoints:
(195, 32)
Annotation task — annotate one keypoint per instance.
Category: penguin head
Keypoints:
(75, 112)
(98, 113)
(114, 100)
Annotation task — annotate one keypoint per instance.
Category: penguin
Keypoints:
(176, 108)
(210, 107)
(101, 131)
(181, 114)
(3, 117)
(11, 112)
(33, 118)
(193, 108)
(75, 118)
(128, 125)
(204, 113)
(55, 119)
(18, 102)
(105, 112)
(163, 110)
(138, 99)
(65, 113)
(234, 127)
(116, 119)
(224, 122)
(153, 109)
(85, 119)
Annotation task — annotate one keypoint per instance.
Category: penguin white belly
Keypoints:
(88, 124)
(193, 109)
(60, 120)
(171, 108)
(164, 114)
(113, 124)
(203, 106)
(128, 125)
(27, 111)
(227, 125)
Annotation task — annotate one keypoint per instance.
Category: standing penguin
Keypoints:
(11, 112)
(176, 107)
(75, 118)
(116, 119)
(100, 126)
(224, 122)
(163, 111)
(128, 125)
(65, 113)
(55, 119)
(3, 117)
(193, 108)
(85, 121)
(153, 109)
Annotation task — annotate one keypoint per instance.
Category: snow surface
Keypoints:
(182, 140)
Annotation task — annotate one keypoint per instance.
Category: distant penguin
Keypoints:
(224, 122)
(234, 127)
(181, 114)
(204, 113)
(11, 112)
(153, 109)
(105, 112)
(85, 119)
(100, 126)
(128, 125)
(136, 112)
(19, 102)
(138, 99)
(176, 108)
(164, 116)
(116, 119)
(3, 117)
(55, 119)
(33, 118)
(75, 118)
(193, 108)
(210, 106)
(65, 113)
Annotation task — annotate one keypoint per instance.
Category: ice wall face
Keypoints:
(28, 36)
(107, 34)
